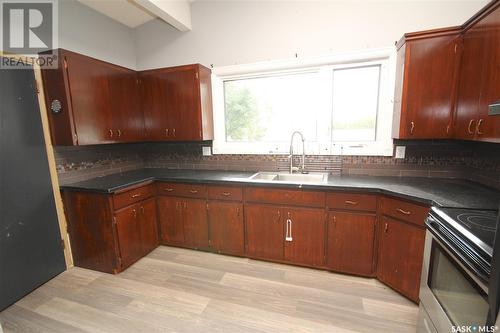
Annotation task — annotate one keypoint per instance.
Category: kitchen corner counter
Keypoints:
(430, 191)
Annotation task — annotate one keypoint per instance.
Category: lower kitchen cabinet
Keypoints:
(194, 218)
(170, 220)
(401, 248)
(351, 242)
(137, 231)
(148, 225)
(355, 233)
(265, 231)
(129, 235)
(109, 232)
(183, 222)
(304, 235)
(291, 234)
(226, 227)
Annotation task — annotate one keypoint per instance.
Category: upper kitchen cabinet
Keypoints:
(479, 84)
(426, 76)
(177, 103)
(92, 102)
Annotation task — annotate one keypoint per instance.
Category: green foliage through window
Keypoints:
(241, 114)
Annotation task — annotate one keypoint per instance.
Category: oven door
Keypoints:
(449, 291)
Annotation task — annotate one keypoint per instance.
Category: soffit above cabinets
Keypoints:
(126, 12)
(134, 13)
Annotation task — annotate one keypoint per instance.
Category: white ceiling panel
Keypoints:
(123, 11)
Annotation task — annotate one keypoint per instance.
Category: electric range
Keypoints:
(470, 231)
(457, 269)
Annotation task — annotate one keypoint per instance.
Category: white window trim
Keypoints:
(383, 146)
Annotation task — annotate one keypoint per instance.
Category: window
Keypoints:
(339, 107)
(355, 103)
(268, 109)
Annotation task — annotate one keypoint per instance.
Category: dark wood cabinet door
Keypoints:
(469, 90)
(226, 228)
(90, 99)
(488, 127)
(172, 104)
(265, 231)
(430, 76)
(351, 242)
(479, 81)
(194, 215)
(129, 238)
(148, 225)
(127, 116)
(400, 256)
(153, 95)
(304, 235)
(183, 103)
(170, 220)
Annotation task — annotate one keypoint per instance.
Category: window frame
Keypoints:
(383, 144)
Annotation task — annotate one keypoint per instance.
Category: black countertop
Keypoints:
(432, 191)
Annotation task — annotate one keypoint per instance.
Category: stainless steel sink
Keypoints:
(312, 178)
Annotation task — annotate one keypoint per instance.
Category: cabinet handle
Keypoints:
(119, 133)
(469, 129)
(478, 127)
(334, 220)
(279, 213)
(110, 133)
(168, 189)
(238, 211)
(403, 211)
(226, 194)
(142, 210)
(412, 127)
(286, 230)
(386, 227)
(291, 230)
(166, 131)
(288, 235)
(135, 213)
(193, 191)
(349, 202)
(136, 195)
(173, 131)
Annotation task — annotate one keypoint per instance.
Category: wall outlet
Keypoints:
(206, 151)
(400, 152)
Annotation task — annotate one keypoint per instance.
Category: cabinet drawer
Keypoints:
(285, 197)
(352, 201)
(182, 190)
(404, 210)
(225, 193)
(131, 196)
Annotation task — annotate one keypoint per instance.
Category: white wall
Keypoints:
(235, 32)
(87, 31)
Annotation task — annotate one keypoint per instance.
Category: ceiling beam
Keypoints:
(177, 13)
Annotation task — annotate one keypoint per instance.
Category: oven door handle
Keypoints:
(435, 228)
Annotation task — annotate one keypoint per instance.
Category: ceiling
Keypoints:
(124, 11)
(133, 13)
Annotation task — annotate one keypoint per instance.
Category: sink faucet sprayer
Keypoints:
(302, 168)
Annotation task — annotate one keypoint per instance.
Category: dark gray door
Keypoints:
(30, 242)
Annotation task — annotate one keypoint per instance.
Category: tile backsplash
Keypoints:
(441, 158)
(84, 162)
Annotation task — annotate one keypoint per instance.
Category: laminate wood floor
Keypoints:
(178, 290)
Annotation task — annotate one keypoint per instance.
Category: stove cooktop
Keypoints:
(481, 223)
(476, 226)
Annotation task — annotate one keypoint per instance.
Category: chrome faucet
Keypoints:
(302, 168)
